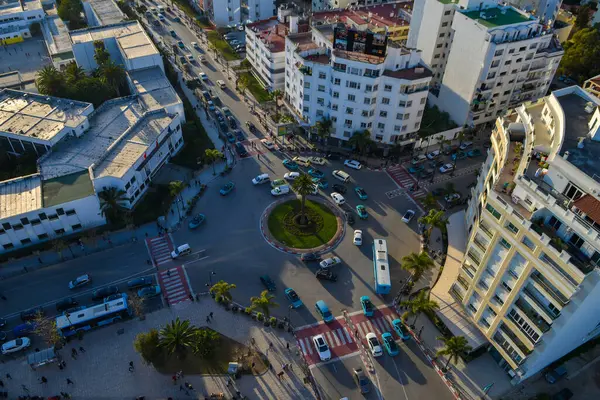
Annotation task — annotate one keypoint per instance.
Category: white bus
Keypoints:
(69, 324)
(381, 267)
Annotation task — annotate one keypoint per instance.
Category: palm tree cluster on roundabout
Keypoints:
(303, 185)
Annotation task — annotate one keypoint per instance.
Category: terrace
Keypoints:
(495, 17)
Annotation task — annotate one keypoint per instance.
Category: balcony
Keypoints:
(457, 293)
(548, 288)
(482, 246)
(539, 307)
(486, 230)
(506, 330)
(524, 308)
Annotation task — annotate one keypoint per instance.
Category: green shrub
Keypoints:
(260, 316)
(273, 321)
(248, 310)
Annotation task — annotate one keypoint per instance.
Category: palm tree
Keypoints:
(454, 347)
(111, 202)
(222, 289)
(304, 186)
(211, 156)
(242, 82)
(324, 128)
(419, 304)
(50, 81)
(263, 302)
(211, 46)
(460, 137)
(114, 75)
(429, 201)
(74, 73)
(276, 95)
(417, 264)
(361, 140)
(175, 189)
(435, 219)
(177, 337)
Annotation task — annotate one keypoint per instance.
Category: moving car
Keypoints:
(451, 198)
(251, 126)
(362, 194)
(227, 188)
(350, 218)
(241, 150)
(330, 262)
(400, 329)
(446, 168)
(374, 345)
(433, 155)
(291, 176)
(31, 314)
(293, 297)
(195, 45)
(323, 310)
(315, 173)
(260, 179)
(100, 294)
(461, 155)
(361, 380)
(190, 58)
(408, 215)
(180, 44)
(268, 144)
(352, 164)
(317, 160)
(202, 75)
(149, 292)
(239, 135)
(357, 237)
(220, 83)
(18, 344)
(65, 304)
(280, 190)
(196, 221)
(80, 281)
(182, 250)
(321, 183)
(362, 212)
(326, 275)
(173, 33)
(268, 282)
(465, 145)
(291, 165)
(390, 344)
(416, 168)
(473, 153)
(278, 182)
(339, 188)
(230, 137)
(308, 257)
(367, 306)
(139, 283)
(322, 348)
(338, 198)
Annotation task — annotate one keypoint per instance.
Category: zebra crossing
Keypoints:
(160, 249)
(174, 285)
(403, 178)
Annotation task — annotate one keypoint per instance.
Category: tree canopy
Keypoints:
(582, 55)
(71, 11)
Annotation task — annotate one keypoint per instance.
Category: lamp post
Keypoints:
(210, 275)
(290, 308)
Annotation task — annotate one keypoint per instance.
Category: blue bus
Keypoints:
(381, 269)
(92, 317)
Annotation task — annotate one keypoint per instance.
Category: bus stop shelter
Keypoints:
(42, 357)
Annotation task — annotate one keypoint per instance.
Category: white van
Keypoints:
(305, 162)
(263, 178)
(341, 175)
(221, 84)
(182, 250)
(280, 190)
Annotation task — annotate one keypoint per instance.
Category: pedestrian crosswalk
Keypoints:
(334, 338)
(174, 285)
(403, 178)
(160, 249)
(375, 325)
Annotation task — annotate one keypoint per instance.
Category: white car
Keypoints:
(317, 160)
(446, 168)
(16, 345)
(202, 76)
(268, 144)
(322, 347)
(291, 176)
(353, 164)
(330, 262)
(358, 237)
(408, 215)
(465, 145)
(433, 155)
(451, 198)
(80, 281)
(374, 344)
(280, 190)
(190, 57)
(260, 179)
(338, 198)
(195, 45)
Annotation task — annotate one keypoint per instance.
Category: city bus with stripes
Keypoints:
(68, 324)
(381, 269)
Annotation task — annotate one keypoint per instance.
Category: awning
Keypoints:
(590, 206)
(42, 357)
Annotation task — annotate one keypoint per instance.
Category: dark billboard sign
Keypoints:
(373, 44)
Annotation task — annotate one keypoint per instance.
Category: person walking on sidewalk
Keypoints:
(70, 382)
(211, 315)
(81, 349)
(131, 367)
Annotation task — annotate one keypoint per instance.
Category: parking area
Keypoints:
(27, 57)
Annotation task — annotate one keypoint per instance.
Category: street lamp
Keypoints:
(290, 308)
(210, 275)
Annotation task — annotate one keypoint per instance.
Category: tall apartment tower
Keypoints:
(235, 12)
(530, 278)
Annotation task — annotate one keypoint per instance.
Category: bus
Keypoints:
(92, 317)
(381, 269)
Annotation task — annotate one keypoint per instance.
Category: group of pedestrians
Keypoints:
(209, 317)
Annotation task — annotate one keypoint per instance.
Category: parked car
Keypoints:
(460, 155)
(309, 257)
(400, 329)
(291, 165)
(196, 221)
(416, 168)
(374, 345)
(426, 173)
(202, 76)
(280, 190)
(16, 345)
(326, 275)
(357, 240)
(330, 262)
(230, 137)
(473, 153)
(362, 211)
(140, 282)
(446, 168)
(339, 188)
(173, 33)
(268, 282)
(293, 297)
(390, 344)
(239, 135)
(362, 194)
(452, 198)
(80, 281)
(278, 182)
(227, 188)
(291, 176)
(350, 218)
(315, 173)
(363, 383)
(322, 347)
(367, 306)
(31, 314)
(418, 159)
(352, 164)
(556, 374)
(148, 292)
(232, 122)
(465, 145)
(66, 303)
(100, 294)
(317, 160)
(433, 155)
(241, 150)
(408, 215)
(338, 198)
(322, 183)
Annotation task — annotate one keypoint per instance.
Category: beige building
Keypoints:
(529, 279)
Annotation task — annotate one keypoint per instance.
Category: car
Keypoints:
(268, 282)
(322, 347)
(190, 57)
(438, 192)
(226, 112)
(357, 240)
(362, 211)
(363, 383)
(251, 126)
(350, 218)
(241, 150)
(240, 49)
(449, 149)
(291, 176)
(367, 306)
(325, 275)
(112, 297)
(202, 76)
(473, 153)
(230, 137)
(309, 257)
(461, 155)
(317, 160)
(433, 155)
(220, 116)
(446, 168)
(555, 374)
(426, 173)
(321, 183)
(268, 144)
(408, 215)
(15, 345)
(280, 190)
(31, 314)
(80, 281)
(451, 198)
(563, 394)
(291, 165)
(362, 194)
(390, 344)
(465, 145)
(232, 122)
(278, 182)
(374, 345)
(194, 44)
(149, 292)
(330, 262)
(436, 163)
(400, 329)
(196, 221)
(334, 155)
(223, 126)
(418, 159)
(66, 303)
(227, 188)
(416, 168)
(239, 135)
(221, 83)
(140, 282)
(2, 322)
(173, 33)
(338, 198)
(100, 294)
(180, 44)
(293, 298)
(315, 173)
(352, 164)
(339, 188)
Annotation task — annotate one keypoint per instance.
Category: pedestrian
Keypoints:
(174, 378)
(258, 156)
(60, 366)
(40, 260)
(181, 388)
(207, 319)
(2, 297)
(25, 388)
(8, 376)
(69, 382)
(73, 351)
(211, 315)
(131, 367)
(287, 345)
(253, 365)
(169, 272)
(291, 367)
(270, 345)
(181, 374)
(64, 363)
(43, 379)
(81, 349)
(191, 296)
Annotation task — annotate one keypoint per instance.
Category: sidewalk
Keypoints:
(101, 372)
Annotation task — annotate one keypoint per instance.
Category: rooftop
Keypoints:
(356, 56)
(60, 36)
(374, 18)
(10, 7)
(271, 32)
(20, 195)
(303, 41)
(106, 11)
(38, 116)
(409, 73)
(67, 188)
(495, 17)
(154, 89)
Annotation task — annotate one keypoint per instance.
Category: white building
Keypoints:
(236, 12)
(15, 18)
(358, 91)
(58, 41)
(102, 12)
(323, 5)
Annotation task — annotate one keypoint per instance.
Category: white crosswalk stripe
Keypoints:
(328, 337)
(348, 336)
(340, 334)
(159, 250)
(301, 342)
(360, 330)
(309, 345)
(337, 341)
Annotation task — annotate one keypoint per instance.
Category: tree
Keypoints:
(206, 342)
(114, 75)
(101, 55)
(70, 10)
(263, 302)
(583, 17)
(361, 140)
(92, 90)
(276, 95)
(435, 219)
(177, 337)
(59, 246)
(211, 156)
(51, 82)
(46, 329)
(417, 264)
(148, 345)
(429, 201)
(582, 55)
(242, 82)
(324, 128)
(454, 347)
(222, 289)
(136, 303)
(303, 185)
(74, 73)
(175, 189)
(419, 304)
(111, 203)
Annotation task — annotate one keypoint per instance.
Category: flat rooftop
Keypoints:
(61, 43)
(10, 7)
(303, 40)
(20, 195)
(154, 89)
(379, 16)
(107, 11)
(67, 188)
(587, 159)
(270, 32)
(38, 116)
(496, 16)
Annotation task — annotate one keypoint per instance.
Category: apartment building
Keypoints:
(224, 13)
(15, 18)
(530, 280)
(592, 85)
(359, 80)
(321, 5)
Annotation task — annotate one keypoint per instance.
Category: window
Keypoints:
(498, 53)
(512, 228)
(364, 113)
(351, 97)
(407, 116)
(336, 95)
(554, 223)
(8, 246)
(320, 101)
(493, 211)
(511, 51)
(423, 100)
(417, 125)
(42, 216)
(59, 231)
(60, 211)
(420, 113)
(367, 100)
(306, 97)
(369, 88)
(307, 85)
(442, 35)
(35, 222)
(383, 114)
(409, 103)
(363, 125)
(17, 227)
(321, 88)
(447, 12)
(381, 126)
(25, 241)
(397, 128)
(352, 85)
(336, 81)
(349, 110)
(43, 236)
(348, 122)
(402, 103)
(533, 46)
(25, 221)
(387, 88)
(404, 128)
(385, 100)
(322, 75)
(306, 110)
(505, 244)
(400, 116)
(76, 226)
(334, 107)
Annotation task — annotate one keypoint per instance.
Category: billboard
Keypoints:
(373, 44)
